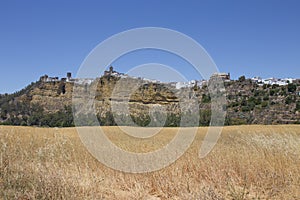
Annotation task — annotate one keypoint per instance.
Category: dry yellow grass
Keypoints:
(248, 162)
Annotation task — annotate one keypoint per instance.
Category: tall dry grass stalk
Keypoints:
(248, 162)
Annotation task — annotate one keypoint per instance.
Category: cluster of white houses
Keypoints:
(224, 76)
(272, 81)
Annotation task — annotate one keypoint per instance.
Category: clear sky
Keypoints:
(52, 37)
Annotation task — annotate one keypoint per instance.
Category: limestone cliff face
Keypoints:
(247, 103)
(52, 96)
(133, 96)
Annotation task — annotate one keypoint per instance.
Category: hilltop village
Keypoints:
(178, 85)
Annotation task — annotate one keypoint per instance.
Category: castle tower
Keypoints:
(69, 76)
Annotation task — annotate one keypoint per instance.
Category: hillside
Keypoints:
(49, 103)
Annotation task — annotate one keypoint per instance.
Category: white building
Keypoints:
(189, 84)
(272, 81)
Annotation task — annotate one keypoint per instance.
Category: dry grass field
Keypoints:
(248, 162)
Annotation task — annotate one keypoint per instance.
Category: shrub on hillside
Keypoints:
(291, 87)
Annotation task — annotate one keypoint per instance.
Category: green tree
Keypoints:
(292, 87)
(242, 78)
(289, 100)
(298, 105)
(206, 98)
(172, 120)
(264, 104)
(205, 117)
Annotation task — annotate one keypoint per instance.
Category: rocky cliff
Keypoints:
(247, 103)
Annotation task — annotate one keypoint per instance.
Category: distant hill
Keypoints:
(46, 103)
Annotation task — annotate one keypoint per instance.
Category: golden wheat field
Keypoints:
(248, 162)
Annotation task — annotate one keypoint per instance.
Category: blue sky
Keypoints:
(52, 37)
